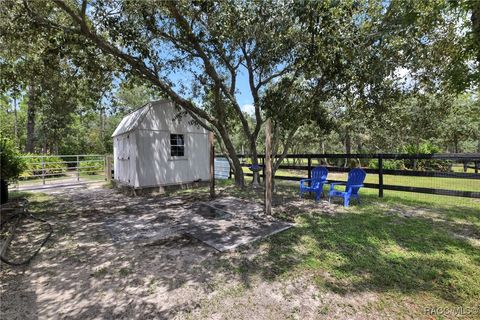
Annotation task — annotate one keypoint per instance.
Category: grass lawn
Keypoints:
(415, 251)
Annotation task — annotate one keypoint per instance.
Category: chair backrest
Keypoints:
(319, 174)
(355, 177)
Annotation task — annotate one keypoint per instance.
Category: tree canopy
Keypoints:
(316, 65)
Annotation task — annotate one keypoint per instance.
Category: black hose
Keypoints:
(24, 214)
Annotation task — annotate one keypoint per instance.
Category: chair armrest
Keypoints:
(304, 180)
(350, 187)
(333, 184)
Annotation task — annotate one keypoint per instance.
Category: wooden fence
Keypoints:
(471, 158)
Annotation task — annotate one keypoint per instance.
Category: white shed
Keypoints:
(153, 146)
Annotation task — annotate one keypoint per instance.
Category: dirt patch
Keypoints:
(114, 257)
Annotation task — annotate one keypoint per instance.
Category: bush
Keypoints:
(425, 164)
(54, 166)
(11, 164)
(91, 167)
(387, 164)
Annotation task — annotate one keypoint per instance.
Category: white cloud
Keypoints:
(248, 108)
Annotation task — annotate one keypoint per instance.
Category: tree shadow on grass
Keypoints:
(360, 251)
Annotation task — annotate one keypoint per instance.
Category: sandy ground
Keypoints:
(85, 273)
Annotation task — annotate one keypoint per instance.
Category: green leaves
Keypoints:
(11, 163)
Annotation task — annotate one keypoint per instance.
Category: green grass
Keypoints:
(423, 249)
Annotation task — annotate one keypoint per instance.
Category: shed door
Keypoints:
(124, 158)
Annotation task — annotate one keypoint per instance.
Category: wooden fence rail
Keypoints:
(461, 158)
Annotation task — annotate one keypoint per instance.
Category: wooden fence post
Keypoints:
(476, 166)
(212, 164)
(43, 169)
(268, 167)
(380, 176)
(108, 168)
(78, 168)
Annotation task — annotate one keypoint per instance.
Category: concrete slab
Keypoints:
(227, 236)
(223, 224)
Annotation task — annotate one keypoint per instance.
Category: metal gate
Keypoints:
(44, 172)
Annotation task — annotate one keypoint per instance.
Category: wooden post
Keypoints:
(43, 169)
(212, 164)
(380, 176)
(263, 168)
(268, 167)
(476, 166)
(108, 168)
(78, 168)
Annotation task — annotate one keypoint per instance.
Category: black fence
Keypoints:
(453, 166)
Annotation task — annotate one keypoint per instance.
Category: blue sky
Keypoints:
(243, 94)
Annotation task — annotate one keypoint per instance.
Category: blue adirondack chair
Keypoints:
(319, 178)
(354, 183)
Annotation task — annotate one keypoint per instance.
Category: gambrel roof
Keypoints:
(132, 120)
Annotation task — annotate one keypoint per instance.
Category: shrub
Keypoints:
(11, 164)
(387, 164)
(426, 164)
(53, 166)
(91, 167)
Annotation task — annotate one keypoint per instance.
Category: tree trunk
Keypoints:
(348, 146)
(323, 151)
(237, 167)
(102, 128)
(15, 124)
(268, 167)
(475, 19)
(253, 149)
(31, 111)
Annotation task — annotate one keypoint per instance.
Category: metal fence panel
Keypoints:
(60, 170)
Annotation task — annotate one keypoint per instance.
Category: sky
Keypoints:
(243, 94)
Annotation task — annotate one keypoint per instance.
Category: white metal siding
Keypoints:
(148, 149)
(155, 166)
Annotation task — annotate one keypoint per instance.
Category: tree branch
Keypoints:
(84, 10)
(209, 68)
(135, 63)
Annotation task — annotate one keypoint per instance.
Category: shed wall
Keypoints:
(148, 147)
(156, 167)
